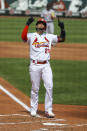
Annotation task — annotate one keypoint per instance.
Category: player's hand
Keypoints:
(29, 21)
(60, 24)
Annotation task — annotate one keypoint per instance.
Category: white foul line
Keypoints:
(14, 115)
(15, 98)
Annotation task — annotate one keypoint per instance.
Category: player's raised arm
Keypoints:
(62, 36)
(25, 30)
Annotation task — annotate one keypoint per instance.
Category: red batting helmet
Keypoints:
(41, 20)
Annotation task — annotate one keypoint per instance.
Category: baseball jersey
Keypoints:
(46, 14)
(40, 45)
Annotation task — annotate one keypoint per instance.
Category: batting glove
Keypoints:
(29, 21)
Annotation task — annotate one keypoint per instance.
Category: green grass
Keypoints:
(70, 79)
(11, 28)
(16, 72)
(76, 30)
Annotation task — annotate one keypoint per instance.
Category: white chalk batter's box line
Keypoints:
(48, 123)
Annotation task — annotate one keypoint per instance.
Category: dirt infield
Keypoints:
(14, 117)
(14, 105)
(60, 51)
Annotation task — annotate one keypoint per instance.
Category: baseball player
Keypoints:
(49, 15)
(40, 46)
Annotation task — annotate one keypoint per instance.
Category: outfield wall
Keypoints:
(63, 8)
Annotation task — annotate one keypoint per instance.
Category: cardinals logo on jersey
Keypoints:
(38, 44)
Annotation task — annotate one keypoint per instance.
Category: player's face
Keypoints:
(40, 28)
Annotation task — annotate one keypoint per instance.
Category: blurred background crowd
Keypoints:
(69, 6)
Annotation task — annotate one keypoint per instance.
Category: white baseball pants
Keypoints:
(50, 28)
(38, 71)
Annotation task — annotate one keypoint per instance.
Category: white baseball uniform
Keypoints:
(40, 52)
(46, 14)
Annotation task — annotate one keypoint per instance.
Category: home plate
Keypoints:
(54, 124)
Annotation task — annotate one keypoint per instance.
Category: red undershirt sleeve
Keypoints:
(24, 33)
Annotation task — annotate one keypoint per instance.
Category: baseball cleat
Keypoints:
(49, 114)
(33, 113)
